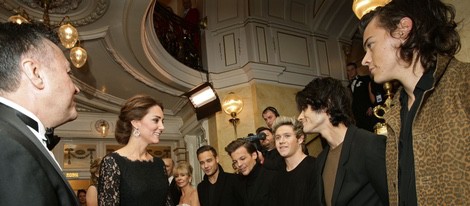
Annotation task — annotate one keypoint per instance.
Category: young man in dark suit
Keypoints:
(256, 184)
(218, 188)
(36, 92)
(351, 168)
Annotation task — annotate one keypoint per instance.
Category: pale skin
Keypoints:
(318, 122)
(289, 146)
(168, 165)
(150, 127)
(92, 196)
(269, 118)
(380, 45)
(243, 161)
(188, 193)
(45, 78)
(210, 165)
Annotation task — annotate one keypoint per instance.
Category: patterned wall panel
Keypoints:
(262, 49)
(298, 12)
(322, 51)
(276, 8)
(293, 49)
(226, 10)
(229, 49)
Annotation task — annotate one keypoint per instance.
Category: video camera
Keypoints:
(256, 137)
(255, 140)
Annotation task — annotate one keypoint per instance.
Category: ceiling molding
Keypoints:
(81, 13)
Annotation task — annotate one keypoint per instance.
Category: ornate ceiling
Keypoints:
(125, 57)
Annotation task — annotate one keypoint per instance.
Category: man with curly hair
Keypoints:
(428, 158)
(351, 168)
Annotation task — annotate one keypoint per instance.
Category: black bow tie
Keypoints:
(51, 139)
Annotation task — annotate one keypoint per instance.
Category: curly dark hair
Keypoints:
(135, 108)
(434, 29)
(326, 93)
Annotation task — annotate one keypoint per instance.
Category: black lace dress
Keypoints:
(125, 182)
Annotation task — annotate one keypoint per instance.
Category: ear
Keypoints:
(135, 123)
(31, 69)
(404, 28)
(217, 159)
(301, 139)
(255, 154)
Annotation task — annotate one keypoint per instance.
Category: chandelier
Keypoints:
(362, 7)
(68, 34)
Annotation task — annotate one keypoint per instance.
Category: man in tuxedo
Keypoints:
(36, 92)
(361, 98)
(218, 188)
(351, 168)
(175, 192)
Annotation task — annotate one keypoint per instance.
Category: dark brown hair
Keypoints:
(206, 148)
(240, 142)
(134, 108)
(326, 93)
(434, 29)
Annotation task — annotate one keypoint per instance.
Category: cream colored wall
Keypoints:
(225, 132)
(463, 16)
(278, 96)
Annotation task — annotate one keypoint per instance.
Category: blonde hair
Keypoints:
(183, 168)
(290, 121)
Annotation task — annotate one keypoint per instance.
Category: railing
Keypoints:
(179, 39)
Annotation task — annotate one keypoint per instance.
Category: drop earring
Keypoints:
(136, 132)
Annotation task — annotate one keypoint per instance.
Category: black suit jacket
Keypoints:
(225, 192)
(175, 192)
(361, 175)
(28, 174)
(361, 103)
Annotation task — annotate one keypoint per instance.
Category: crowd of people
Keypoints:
(423, 160)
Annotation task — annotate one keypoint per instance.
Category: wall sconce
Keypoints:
(204, 100)
(233, 105)
(362, 7)
(102, 127)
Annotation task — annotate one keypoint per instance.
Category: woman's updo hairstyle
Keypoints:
(134, 108)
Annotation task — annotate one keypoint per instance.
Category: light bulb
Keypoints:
(68, 35)
(18, 19)
(78, 56)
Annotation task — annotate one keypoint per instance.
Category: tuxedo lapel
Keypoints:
(32, 143)
(344, 157)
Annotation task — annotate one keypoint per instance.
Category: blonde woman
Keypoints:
(183, 176)
(92, 192)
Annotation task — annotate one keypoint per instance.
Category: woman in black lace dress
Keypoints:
(130, 175)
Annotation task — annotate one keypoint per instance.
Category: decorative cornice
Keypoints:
(81, 12)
